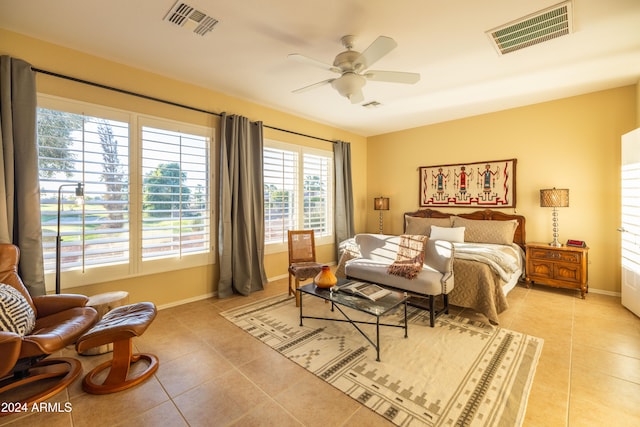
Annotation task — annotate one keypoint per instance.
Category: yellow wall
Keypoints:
(194, 282)
(571, 143)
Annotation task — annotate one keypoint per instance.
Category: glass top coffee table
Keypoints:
(376, 308)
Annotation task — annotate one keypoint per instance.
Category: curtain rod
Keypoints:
(163, 101)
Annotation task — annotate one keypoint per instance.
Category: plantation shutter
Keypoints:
(317, 203)
(280, 193)
(175, 193)
(94, 151)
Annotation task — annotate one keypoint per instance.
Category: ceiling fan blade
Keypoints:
(310, 61)
(357, 97)
(392, 76)
(313, 86)
(376, 50)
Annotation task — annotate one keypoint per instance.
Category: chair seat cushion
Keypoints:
(16, 314)
(305, 270)
(56, 331)
(427, 282)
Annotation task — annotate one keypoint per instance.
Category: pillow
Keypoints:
(417, 225)
(486, 231)
(16, 315)
(451, 234)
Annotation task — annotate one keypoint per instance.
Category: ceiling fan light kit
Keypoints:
(353, 68)
(350, 86)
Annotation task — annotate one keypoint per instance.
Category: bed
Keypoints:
(490, 261)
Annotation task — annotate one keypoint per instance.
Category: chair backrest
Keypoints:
(9, 257)
(302, 246)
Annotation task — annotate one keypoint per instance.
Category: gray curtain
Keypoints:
(344, 193)
(241, 223)
(20, 185)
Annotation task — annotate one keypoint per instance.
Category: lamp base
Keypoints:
(555, 244)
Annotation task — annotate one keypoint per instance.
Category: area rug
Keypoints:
(459, 373)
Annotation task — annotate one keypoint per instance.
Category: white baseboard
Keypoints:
(603, 292)
(188, 300)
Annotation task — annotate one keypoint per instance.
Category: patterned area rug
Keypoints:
(460, 373)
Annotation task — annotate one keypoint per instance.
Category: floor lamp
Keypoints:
(554, 198)
(381, 204)
(79, 193)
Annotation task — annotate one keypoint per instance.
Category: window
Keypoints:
(133, 220)
(298, 191)
(175, 193)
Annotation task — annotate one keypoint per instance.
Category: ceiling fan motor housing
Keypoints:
(346, 61)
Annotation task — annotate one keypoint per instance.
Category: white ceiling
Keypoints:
(444, 40)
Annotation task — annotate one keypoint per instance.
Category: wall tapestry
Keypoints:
(490, 184)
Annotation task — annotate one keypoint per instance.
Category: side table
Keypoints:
(562, 267)
(104, 303)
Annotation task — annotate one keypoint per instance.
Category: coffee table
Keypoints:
(376, 308)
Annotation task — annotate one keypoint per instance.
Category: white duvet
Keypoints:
(502, 259)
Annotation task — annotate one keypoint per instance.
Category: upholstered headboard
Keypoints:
(519, 236)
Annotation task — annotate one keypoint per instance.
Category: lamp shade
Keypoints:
(554, 198)
(381, 203)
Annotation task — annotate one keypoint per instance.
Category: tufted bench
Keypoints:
(119, 326)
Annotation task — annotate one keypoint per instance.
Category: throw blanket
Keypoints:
(410, 257)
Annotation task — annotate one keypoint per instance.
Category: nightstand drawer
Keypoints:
(568, 273)
(554, 255)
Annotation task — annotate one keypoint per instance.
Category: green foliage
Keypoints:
(113, 175)
(164, 191)
(54, 137)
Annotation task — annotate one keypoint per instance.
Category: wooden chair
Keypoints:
(302, 259)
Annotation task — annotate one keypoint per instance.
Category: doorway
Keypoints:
(630, 221)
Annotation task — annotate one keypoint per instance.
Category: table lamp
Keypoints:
(554, 198)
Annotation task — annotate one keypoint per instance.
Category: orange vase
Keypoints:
(326, 278)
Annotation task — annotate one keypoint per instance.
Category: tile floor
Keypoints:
(213, 374)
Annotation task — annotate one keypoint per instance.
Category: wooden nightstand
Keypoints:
(563, 267)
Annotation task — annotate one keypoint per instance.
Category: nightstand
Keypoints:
(563, 267)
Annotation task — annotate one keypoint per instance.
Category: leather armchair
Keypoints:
(60, 321)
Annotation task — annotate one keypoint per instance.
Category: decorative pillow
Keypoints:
(485, 231)
(417, 226)
(16, 315)
(451, 234)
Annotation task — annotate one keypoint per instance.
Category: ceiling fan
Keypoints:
(353, 68)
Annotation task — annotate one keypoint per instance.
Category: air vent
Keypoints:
(183, 15)
(537, 28)
(372, 104)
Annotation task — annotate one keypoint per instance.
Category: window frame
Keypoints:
(300, 150)
(136, 266)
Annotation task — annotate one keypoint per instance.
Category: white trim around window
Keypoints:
(197, 162)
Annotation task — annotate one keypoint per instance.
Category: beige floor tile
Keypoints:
(107, 410)
(238, 347)
(601, 400)
(316, 403)
(220, 401)
(589, 359)
(190, 370)
(165, 414)
(267, 414)
(273, 373)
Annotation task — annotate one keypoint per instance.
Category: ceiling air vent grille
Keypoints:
(537, 28)
(372, 104)
(183, 15)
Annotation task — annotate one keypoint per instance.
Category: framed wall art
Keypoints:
(489, 184)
